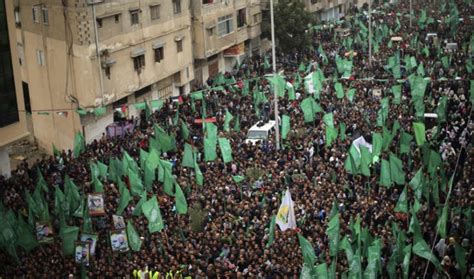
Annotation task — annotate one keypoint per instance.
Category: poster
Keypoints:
(95, 203)
(44, 233)
(119, 241)
(119, 223)
(91, 239)
(82, 253)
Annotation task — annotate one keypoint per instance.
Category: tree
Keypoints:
(291, 25)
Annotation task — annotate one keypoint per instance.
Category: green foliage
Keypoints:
(197, 216)
(291, 23)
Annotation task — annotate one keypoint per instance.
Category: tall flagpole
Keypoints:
(370, 33)
(275, 95)
(411, 12)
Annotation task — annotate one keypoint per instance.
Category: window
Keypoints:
(208, 1)
(40, 57)
(117, 18)
(155, 12)
(36, 13)
(241, 17)
(179, 45)
(224, 25)
(21, 53)
(314, 1)
(45, 15)
(176, 6)
(99, 23)
(159, 54)
(17, 17)
(139, 63)
(256, 18)
(134, 17)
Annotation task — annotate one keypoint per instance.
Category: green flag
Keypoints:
(26, 238)
(422, 249)
(377, 144)
(310, 108)
(339, 90)
(210, 142)
(271, 233)
(442, 221)
(133, 238)
(79, 144)
(331, 135)
(417, 182)
(321, 271)
(397, 174)
(373, 261)
(68, 236)
(181, 204)
(346, 246)
(285, 126)
(441, 109)
(103, 169)
(307, 250)
(138, 207)
(125, 198)
(460, 254)
(402, 204)
(328, 119)
(136, 184)
(227, 119)
(365, 161)
(198, 173)
(152, 212)
(342, 131)
(385, 178)
(165, 141)
(71, 192)
(405, 141)
(333, 234)
(419, 129)
(189, 155)
(238, 178)
(226, 150)
(184, 130)
(397, 93)
(351, 94)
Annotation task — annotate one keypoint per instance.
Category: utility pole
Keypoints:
(411, 12)
(370, 33)
(97, 52)
(275, 94)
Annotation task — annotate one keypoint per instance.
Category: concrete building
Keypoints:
(12, 105)
(224, 32)
(99, 54)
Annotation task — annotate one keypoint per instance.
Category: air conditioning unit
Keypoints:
(93, 2)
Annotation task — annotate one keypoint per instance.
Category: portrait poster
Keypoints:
(119, 222)
(91, 239)
(44, 232)
(95, 203)
(82, 252)
(119, 241)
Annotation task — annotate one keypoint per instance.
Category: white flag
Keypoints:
(286, 213)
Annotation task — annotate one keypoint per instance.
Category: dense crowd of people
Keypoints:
(231, 241)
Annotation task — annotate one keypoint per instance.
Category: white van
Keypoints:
(259, 132)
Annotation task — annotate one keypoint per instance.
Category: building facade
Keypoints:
(224, 32)
(103, 54)
(12, 105)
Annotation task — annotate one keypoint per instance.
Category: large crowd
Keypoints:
(231, 241)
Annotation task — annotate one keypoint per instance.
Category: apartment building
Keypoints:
(99, 56)
(224, 32)
(12, 105)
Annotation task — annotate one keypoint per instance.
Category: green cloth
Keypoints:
(226, 150)
(377, 144)
(210, 142)
(68, 236)
(189, 155)
(333, 234)
(397, 93)
(339, 90)
(227, 119)
(460, 254)
(331, 135)
(238, 178)
(321, 271)
(184, 130)
(307, 250)
(198, 173)
(125, 198)
(402, 204)
(310, 108)
(271, 233)
(365, 161)
(385, 178)
(419, 130)
(152, 212)
(373, 260)
(133, 238)
(417, 182)
(328, 119)
(157, 104)
(285, 126)
(138, 207)
(342, 131)
(136, 184)
(79, 144)
(422, 249)
(180, 201)
(441, 109)
(405, 141)
(396, 170)
(165, 141)
(26, 237)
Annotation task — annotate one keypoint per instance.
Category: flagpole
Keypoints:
(275, 96)
(411, 12)
(370, 32)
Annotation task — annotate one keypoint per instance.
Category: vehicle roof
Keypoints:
(265, 127)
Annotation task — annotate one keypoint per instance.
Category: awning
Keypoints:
(109, 14)
(108, 62)
(157, 44)
(179, 38)
(137, 52)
